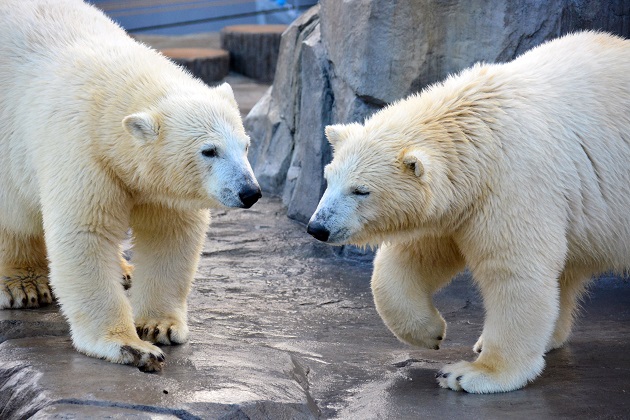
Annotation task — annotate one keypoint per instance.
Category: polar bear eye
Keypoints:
(362, 190)
(209, 152)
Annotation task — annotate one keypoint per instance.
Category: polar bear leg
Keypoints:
(572, 287)
(404, 280)
(521, 310)
(83, 235)
(166, 253)
(23, 271)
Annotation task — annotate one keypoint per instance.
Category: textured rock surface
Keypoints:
(343, 60)
(281, 329)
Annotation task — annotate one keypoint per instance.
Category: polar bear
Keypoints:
(99, 133)
(518, 171)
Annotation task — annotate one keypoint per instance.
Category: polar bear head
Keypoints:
(393, 176)
(192, 148)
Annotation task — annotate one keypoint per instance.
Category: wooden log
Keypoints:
(208, 64)
(253, 49)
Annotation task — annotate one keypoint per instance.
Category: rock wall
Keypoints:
(343, 60)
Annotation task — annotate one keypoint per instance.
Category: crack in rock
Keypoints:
(300, 375)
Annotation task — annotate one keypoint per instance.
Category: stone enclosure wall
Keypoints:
(345, 59)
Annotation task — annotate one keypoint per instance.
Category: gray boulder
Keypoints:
(343, 60)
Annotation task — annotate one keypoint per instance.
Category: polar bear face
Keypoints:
(194, 148)
(378, 187)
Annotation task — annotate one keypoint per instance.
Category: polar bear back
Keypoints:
(566, 141)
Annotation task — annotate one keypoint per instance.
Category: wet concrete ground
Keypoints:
(281, 328)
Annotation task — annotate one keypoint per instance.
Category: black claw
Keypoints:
(147, 369)
(157, 332)
(160, 358)
(33, 300)
(45, 295)
(439, 337)
(438, 374)
(436, 347)
(24, 301)
(11, 302)
(145, 332)
(169, 332)
(139, 331)
(459, 378)
(135, 353)
(445, 375)
(128, 277)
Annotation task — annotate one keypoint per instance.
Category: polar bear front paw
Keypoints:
(429, 338)
(25, 288)
(164, 331)
(145, 356)
(426, 331)
(120, 345)
(477, 378)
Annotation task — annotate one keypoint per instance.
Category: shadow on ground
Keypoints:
(283, 329)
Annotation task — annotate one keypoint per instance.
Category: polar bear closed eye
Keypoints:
(518, 171)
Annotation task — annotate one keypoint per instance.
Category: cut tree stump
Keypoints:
(253, 49)
(208, 64)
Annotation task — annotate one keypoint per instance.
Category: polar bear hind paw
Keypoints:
(25, 288)
(127, 272)
(163, 331)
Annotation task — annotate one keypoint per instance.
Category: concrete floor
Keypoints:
(281, 328)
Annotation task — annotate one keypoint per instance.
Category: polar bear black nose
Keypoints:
(318, 231)
(249, 195)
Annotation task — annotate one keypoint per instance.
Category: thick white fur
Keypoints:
(99, 133)
(525, 180)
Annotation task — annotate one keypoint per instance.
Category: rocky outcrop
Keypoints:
(343, 60)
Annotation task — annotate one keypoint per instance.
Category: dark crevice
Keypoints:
(300, 375)
(180, 414)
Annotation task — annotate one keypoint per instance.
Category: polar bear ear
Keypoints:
(338, 132)
(142, 126)
(416, 160)
(226, 92)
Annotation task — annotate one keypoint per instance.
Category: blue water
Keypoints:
(145, 16)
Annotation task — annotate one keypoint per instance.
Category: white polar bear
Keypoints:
(518, 171)
(99, 133)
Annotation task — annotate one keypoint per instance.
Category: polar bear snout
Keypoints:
(318, 231)
(249, 195)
